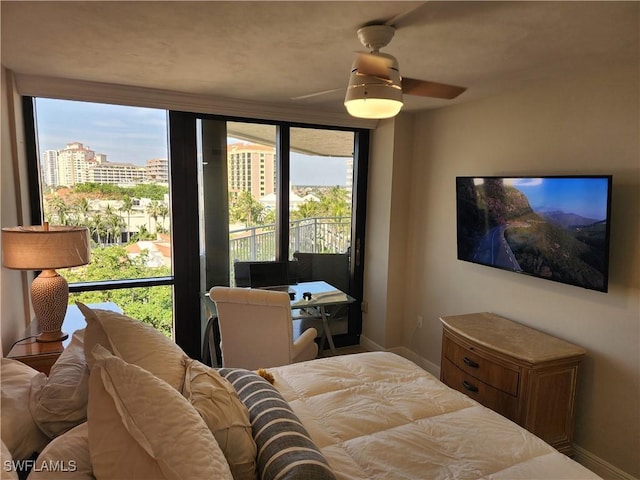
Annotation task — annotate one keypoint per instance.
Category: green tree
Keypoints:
(82, 208)
(98, 227)
(152, 305)
(334, 203)
(142, 234)
(127, 208)
(58, 207)
(114, 225)
(148, 190)
(307, 209)
(153, 210)
(246, 209)
(163, 211)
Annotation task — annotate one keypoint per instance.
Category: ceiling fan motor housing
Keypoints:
(376, 36)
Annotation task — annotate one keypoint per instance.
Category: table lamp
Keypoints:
(46, 248)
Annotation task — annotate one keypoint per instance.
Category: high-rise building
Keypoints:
(251, 169)
(158, 170)
(115, 173)
(79, 164)
(73, 161)
(50, 168)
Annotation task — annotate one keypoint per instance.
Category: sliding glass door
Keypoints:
(281, 192)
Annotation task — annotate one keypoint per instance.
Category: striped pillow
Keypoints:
(285, 450)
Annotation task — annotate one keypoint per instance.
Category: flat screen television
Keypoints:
(552, 227)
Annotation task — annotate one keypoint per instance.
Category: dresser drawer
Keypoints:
(497, 400)
(487, 371)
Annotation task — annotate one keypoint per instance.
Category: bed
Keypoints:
(123, 401)
(377, 415)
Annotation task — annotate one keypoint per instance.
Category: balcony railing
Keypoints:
(314, 235)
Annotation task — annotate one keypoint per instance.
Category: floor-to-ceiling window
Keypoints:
(222, 190)
(275, 191)
(106, 167)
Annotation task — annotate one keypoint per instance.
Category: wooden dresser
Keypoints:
(525, 375)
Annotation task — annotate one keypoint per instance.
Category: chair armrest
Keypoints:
(303, 342)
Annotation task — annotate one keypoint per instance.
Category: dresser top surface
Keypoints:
(511, 338)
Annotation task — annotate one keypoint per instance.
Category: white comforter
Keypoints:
(378, 415)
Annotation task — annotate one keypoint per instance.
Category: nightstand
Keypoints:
(525, 375)
(41, 356)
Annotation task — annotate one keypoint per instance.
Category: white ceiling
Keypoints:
(272, 51)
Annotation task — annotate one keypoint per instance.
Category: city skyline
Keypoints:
(136, 135)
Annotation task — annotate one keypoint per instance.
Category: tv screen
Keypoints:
(555, 228)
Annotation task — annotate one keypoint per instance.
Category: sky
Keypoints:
(581, 195)
(135, 135)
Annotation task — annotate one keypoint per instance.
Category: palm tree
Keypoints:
(114, 224)
(153, 210)
(97, 227)
(247, 209)
(57, 205)
(334, 202)
(127, 207)
(163, 211)
(82, 208)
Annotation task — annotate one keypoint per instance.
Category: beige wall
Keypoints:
(584, 125)
(386, 236)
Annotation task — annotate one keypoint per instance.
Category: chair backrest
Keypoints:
(256, 329)
(333, 268)
(241, 272)
(267, 274)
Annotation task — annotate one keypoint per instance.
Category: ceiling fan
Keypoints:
(375, 85)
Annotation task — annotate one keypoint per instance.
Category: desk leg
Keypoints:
(325, 324)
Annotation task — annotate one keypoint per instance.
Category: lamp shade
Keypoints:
(36, 248)
(370, 96)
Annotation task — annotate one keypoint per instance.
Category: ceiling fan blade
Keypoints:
(424, 88)
(374, 65)
(317, 94)
(404, 18)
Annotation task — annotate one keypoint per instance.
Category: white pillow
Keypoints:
(226, 416)
(19, 433)
(7, 472)
(140, 427)
(67, 456)
(59, 402)
(135, 342)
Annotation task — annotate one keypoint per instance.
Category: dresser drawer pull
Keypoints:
(468, 386)
(470, 362)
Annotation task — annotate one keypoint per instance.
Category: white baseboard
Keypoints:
(599, 466)
(430, 367)
(584, 457)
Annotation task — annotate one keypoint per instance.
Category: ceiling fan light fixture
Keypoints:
(372, 100)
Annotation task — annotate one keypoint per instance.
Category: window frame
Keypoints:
(184, 217)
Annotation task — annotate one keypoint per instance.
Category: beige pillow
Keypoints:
(19, 433)
(140, 427)
(67, 456)
(59, 402)
(135, 342)
(8, 471)
(226, 416)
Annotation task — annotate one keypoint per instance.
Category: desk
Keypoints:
(42, 356)
(322, 295)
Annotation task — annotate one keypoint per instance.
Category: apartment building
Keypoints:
(76, 163)
(251, 169)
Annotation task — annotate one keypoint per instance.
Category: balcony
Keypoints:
(314, 235)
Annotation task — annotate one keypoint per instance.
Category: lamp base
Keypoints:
(49, 297)
(49, 337)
